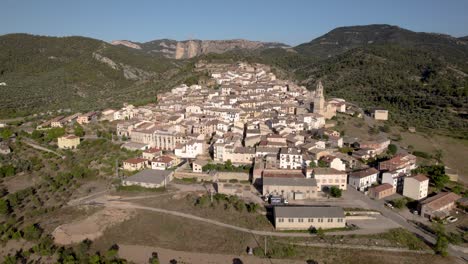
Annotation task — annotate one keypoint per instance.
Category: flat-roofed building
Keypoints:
(416, 187)
(293, 188)
(380, 114)
(308, 217)
(328, 177)
(149, 178)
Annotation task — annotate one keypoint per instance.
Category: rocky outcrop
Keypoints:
(129, 72)
(191, 48)
(126, 43)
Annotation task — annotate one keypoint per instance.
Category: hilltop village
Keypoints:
(273, 134)
(239, 149)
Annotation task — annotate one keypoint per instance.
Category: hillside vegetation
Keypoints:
(422, 78)
(48, 73)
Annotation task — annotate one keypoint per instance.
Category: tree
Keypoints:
(335, 191)
(438, 155)
(312, 164)
(458, 189)
(322, 164)
(320, 232)
(6, 133)
(32, 232)
(441, 244)
(79, 131)
(154, 259)
(54, 133)
(440, 181)
(400, 203)
(113, 251)
(5, 207)
(392, 149)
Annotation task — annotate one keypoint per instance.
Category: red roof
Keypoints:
(382, 187)
(164, 159)
(420, 177)
(283, 174)
(152, 150)
(135, 160)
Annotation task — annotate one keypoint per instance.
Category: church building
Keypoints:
(322, 107)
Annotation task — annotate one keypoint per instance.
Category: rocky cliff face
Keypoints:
(126, 43)
(192, 48)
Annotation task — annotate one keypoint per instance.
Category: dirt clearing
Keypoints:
(91, 227)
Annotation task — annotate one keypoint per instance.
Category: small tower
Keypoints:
(319, 99)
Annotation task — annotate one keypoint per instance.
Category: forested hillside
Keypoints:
(418, 88)
(422, 78)
(49, 73)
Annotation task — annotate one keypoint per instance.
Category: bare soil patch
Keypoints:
(91, 227)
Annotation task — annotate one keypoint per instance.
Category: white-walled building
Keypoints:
(416, 187)
(363, 179)
(290, 158)
(328, 177)
(190, 150)
(395, 178)
(338, 164)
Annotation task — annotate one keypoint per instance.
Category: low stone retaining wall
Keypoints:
(362, 212)
(360, 217)
(241, 176)
(198, 176)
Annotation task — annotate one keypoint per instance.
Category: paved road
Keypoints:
(394, 216)
(115, 203)
(372, 204)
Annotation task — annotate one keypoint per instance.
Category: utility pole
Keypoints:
(117, 169)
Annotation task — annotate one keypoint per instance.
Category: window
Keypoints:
(330, 220)
(300, 220)
(280, 220)
(320, 220)
(291, 220)
(340, 220)
(311, 220)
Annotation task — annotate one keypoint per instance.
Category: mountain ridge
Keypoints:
(187, 49)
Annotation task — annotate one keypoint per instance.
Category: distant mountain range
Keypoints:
(191, 48)
(421, 77)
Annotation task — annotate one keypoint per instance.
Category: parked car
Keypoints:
(275, 199)
(389, 205)
(285, 201)
(451, 219)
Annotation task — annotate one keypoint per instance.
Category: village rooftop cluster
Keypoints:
(250, 133)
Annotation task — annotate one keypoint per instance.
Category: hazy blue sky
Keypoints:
(291, 22)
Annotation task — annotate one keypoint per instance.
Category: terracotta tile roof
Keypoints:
(164, 159)
(440, 200)
(420, 177)
(152, 150)
(382, 187)
(363, 173)
(135, 160)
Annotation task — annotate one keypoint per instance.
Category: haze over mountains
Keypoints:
(421, 77)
